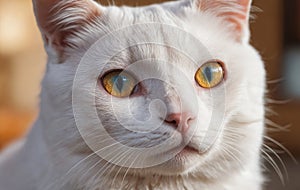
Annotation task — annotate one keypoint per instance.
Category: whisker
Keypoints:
(116, 175)
(274, 165)
(271, 101)
(65, 176)
(129, 168)
(282, 147)
(270, 111)
(278, 157)
(230, 154)
(81, 161)
(108, 164)
(275, 81)
(276, 127)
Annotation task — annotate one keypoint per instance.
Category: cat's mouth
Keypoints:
(189, 149)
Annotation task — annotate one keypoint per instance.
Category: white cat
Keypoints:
(167, 96)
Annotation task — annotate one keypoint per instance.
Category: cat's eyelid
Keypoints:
(121, 70)
(115, 65)
(216, 60)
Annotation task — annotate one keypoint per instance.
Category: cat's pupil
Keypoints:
(119, 82)
(208, 74)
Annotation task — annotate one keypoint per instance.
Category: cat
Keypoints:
(166, 96)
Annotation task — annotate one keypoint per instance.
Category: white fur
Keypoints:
(54, 155)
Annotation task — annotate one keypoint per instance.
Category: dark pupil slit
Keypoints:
(119, 82)
(208, 74)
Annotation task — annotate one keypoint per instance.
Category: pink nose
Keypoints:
(180, 121)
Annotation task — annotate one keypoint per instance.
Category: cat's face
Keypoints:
(168, 89)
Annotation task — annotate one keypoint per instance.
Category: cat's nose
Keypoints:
(180, 121)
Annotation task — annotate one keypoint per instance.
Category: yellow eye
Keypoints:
(119, 83)
(210, 74)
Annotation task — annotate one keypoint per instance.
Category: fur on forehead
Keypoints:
(71, 24)
(114, 18)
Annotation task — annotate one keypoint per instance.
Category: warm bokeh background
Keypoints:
(22, 61)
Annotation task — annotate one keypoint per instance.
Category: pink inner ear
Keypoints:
(56, 29)
(235, 12)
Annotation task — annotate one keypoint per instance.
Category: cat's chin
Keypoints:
(182, 163)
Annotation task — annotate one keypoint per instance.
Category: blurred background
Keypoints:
(275, 33)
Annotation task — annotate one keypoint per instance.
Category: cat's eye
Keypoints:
(210, 74)
(119, 83)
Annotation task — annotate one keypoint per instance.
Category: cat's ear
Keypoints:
(61, 20)
(235, 12)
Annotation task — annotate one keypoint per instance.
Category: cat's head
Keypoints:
(171, 88)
